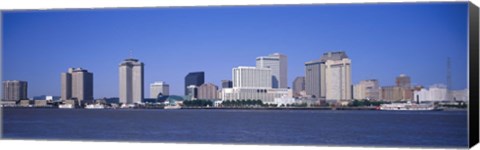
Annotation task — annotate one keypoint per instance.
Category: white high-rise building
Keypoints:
(278, 64)
(131, 81)
(252, 77)
(159, 87)
(338, 79)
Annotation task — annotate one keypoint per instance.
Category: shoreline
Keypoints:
(246, 108)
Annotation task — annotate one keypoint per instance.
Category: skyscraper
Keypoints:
(66, 81)
(315, 78)
(279, 65)
(194, 78)
(14, 90)
(159, 87)
(131, 81)
(77, 83)
(207, 91)
(329, 77)
(338, 79)
(227, 84)
(298, 85)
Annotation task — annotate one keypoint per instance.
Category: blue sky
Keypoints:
(382, 40)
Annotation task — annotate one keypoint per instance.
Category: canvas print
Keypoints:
(378, 74)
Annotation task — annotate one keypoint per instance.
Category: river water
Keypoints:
(273, 127)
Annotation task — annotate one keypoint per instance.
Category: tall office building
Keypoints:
(159, 88)
(207, 91)
(66, 81)
(367, 89)
(338, 79)
(314, 77)
(131, 81)
(194, 78)
(77, 83)
(252, 77)
(298, 85)
(329, 77)
(403, 81)
(14, 90)
(279, 65)
(227, 84)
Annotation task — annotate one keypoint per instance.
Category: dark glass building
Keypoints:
(194, 78)
(227, 84)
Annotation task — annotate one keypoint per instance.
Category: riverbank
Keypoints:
(248, 108)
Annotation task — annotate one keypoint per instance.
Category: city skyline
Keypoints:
(412, 45)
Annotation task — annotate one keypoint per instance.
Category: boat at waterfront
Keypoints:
(172, 107)
(407, 107)
(95, 106)
(65, 106)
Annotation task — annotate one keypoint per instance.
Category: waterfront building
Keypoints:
(394, 93)
(391, 93)
(14, 90)
(40, 103)
(46, 97)
(266, 95)
(329, 77)
(252, 77)
(284, 101)
(227, 84)
(338, 79)
(77, 83)
(82, 84)
(159, 88)
(460, 95)
(207, 91)
(194, 78)
(255, 84)
(66, 81)
(131, 77)
(278, 64)
(436, 92)
(367, 89)
(192, 92)
(298, 86)
(401, 91)
(314, 77)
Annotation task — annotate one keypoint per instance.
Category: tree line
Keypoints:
(199, 103)
(248, 102)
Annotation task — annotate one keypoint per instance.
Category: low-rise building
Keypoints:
(265, 95)
(40, 103)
